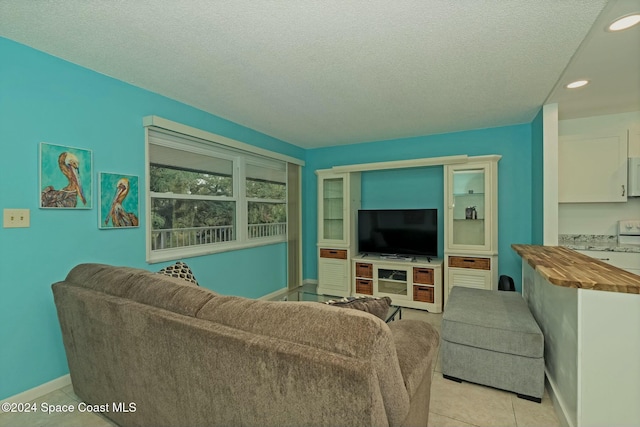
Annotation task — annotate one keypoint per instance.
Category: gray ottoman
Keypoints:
(491, 338)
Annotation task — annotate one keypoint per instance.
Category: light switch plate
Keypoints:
(16, 218)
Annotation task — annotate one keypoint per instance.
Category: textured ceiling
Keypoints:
(319, 73)
(610, 61)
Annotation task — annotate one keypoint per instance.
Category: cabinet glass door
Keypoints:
(333, 209)
(469, 210)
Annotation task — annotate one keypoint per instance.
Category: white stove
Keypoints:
(629, 232)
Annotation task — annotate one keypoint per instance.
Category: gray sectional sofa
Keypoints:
(187, 356)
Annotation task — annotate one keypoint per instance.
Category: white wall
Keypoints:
(599, 218)
(595, 218)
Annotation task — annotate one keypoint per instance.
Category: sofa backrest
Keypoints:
(187, 356)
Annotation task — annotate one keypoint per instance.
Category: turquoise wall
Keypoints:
(380, 191)
(424, 187)
(45, 99)
(537, 180)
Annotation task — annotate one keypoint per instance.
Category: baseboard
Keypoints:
(39, 391)
(558, 404)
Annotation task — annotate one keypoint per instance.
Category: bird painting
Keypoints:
(66, 197)
(117, 214)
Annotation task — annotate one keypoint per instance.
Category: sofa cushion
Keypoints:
(419, 343)
(377, 306)
(158, 290)
(492, 320)
(180, 270)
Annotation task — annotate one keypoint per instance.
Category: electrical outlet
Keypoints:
(16, 218)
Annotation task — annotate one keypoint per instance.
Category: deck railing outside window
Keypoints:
(180, 237)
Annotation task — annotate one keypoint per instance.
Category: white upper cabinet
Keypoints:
(593, 168)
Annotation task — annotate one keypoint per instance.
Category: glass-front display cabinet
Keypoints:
(338, 204)
(471, 208)
(468, 226)
(471, 224)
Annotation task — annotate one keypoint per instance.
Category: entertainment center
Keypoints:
(352, 241)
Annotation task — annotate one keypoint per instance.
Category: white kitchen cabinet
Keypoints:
(629, 261)
(593, 168)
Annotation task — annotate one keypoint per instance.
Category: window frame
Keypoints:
(241, 154)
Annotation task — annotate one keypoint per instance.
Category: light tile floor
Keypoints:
(452, 404)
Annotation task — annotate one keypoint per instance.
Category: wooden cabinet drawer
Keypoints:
(423, 293)
(364, 286)
(364, 270)
(333, 253)
(424, 276)
(470, 262)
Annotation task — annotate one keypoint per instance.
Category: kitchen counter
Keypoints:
(591, 339)
(588, 242)
(562, 266)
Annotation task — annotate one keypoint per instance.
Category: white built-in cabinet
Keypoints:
(471, 224)
(471, 235)
(338, 204)
(592, 167)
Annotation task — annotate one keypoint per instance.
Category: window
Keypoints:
(205, 197)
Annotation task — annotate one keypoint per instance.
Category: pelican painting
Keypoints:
(65, 177)
(118, 200)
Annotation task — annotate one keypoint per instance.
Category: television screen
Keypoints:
(398, 231)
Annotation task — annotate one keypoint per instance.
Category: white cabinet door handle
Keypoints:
(623, 189)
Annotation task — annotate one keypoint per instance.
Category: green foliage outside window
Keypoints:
(169, 213)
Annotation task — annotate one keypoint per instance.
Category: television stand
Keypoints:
(415, 284)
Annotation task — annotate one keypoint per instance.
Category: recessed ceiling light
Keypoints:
(577, 83)
(624, 22)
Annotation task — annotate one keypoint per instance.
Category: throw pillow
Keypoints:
(181, 271)
(377, 306)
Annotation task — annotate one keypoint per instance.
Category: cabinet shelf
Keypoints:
(382, 279)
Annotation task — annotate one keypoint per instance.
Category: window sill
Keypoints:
(200, 250)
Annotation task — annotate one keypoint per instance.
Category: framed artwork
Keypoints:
(65, 177)
(119, 201)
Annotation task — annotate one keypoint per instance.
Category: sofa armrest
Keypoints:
(417, 346)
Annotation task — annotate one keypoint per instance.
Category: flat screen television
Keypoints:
(398, 231)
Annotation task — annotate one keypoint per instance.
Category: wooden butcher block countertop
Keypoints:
(566, 267)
